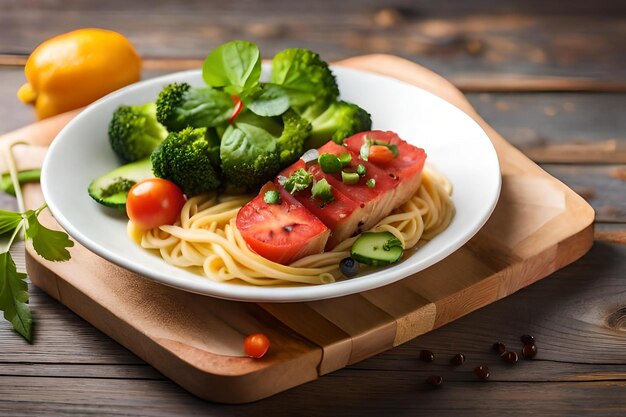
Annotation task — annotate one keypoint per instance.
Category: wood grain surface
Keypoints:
(577, 314)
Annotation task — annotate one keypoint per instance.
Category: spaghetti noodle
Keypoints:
(207, 240)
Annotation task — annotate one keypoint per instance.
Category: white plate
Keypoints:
(455, 144)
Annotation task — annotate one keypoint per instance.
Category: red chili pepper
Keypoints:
(236, 110)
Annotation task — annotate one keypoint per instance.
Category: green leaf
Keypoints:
(9, 220)
(49, 244)
(267, 100)
(14, 296)
(235, 63)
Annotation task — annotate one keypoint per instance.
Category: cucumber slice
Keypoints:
(112, 188)
(377, 248)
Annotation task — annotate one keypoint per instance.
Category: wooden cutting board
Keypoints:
(538, 226)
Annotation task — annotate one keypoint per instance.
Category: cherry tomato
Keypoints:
(154, 202)
(380, 154)
(236, 110)
(256, 345)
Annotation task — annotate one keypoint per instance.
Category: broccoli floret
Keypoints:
(179, 105)
(339, 121)
(305, 77)
(188, 158)
(134, 132)
(290, 144)
(254, 149)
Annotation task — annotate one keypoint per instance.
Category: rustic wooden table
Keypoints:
(551, 78)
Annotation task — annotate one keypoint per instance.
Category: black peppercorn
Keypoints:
(427, 356)
(510, 357)
(458, 359)
(482, 372)
(434, 380)
(529, 351)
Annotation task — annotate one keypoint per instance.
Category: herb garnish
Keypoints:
(49, 244)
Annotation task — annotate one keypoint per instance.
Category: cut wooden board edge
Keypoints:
(351, 344)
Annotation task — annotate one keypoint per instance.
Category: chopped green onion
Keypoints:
(371, 183)
(322, 190)
(393, 148)
(272, 197)
(345, 158)
(360, 169)
(298, 181)
(349, 178)
(329, 163)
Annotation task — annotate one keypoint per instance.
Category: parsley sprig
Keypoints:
(49, 244)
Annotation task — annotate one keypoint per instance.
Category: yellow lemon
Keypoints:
(76, 68)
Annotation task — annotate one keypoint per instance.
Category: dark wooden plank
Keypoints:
(611, 232)
(345, 393)
(603, 186)
(14, 113)
(462, 42)
(566, 127)
(410, 7)
(73, 370)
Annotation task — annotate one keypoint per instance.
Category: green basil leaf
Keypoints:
(14, 297)
(234, 64)
(267, 100)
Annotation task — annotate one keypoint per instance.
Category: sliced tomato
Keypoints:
(281, 232)
(341, 215)
(154, 202)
